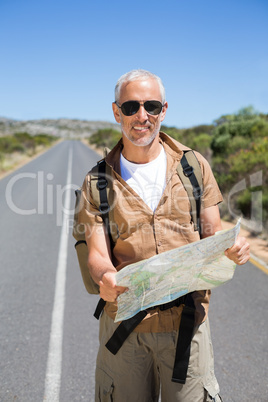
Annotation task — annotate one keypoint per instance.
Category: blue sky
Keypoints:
(62, 58)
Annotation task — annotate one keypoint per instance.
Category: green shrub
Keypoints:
(44, 139)
(16, 148)
(8, 144)
(23, 142)
(26, 140)
(202, 142)
(105, 138)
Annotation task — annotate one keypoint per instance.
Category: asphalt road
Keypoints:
(48, 336)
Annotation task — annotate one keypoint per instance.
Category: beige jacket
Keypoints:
(141, 233)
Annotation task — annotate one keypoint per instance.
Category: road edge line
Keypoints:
(54, 360)
(258, 263)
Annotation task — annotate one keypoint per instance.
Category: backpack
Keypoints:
(190, 174)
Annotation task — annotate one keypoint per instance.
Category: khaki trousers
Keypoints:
(142, 368)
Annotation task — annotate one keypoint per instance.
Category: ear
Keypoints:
(116, 113)
(164, 110)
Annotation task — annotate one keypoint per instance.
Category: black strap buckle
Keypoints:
(197, 193)
(104, 207)
(188, 170)
(102, 183)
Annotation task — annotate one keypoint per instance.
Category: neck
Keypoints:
(141, 154)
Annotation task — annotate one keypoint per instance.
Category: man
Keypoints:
(151, 214)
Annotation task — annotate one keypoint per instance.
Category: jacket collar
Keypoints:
(173, 149)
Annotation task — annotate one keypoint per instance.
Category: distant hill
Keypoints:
(64, 128)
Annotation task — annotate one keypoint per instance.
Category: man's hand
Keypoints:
(239, 252)
(108, 289)
(100, 263)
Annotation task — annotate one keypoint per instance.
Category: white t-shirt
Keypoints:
(148, 180)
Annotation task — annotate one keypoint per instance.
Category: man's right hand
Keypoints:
(109, 291)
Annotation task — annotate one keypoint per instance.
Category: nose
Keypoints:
(141, 113)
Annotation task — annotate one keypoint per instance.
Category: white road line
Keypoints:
(53, 373)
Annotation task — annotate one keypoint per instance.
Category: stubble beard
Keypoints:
(142, 141)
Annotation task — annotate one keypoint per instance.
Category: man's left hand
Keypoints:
(239, 252)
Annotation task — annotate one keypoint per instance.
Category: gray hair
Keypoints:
(135, 75)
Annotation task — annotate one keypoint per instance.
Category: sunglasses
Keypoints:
(130, 108)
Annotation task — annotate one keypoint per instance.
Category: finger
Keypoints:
(239, 258)
(238, 248)
(121, 289)
(244, 257)
(108, 295)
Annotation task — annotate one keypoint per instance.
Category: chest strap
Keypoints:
(185, 336)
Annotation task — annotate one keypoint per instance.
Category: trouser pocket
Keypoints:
(211, 394)
(217, 398)
(104, 387)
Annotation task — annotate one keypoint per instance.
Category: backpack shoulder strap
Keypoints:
(101, 187)
(101, 192)
(189, 171)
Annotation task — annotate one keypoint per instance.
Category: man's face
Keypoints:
(142, 127)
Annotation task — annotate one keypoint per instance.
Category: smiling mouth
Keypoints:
(141, 128)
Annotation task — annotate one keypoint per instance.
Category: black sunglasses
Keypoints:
(129, 108)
